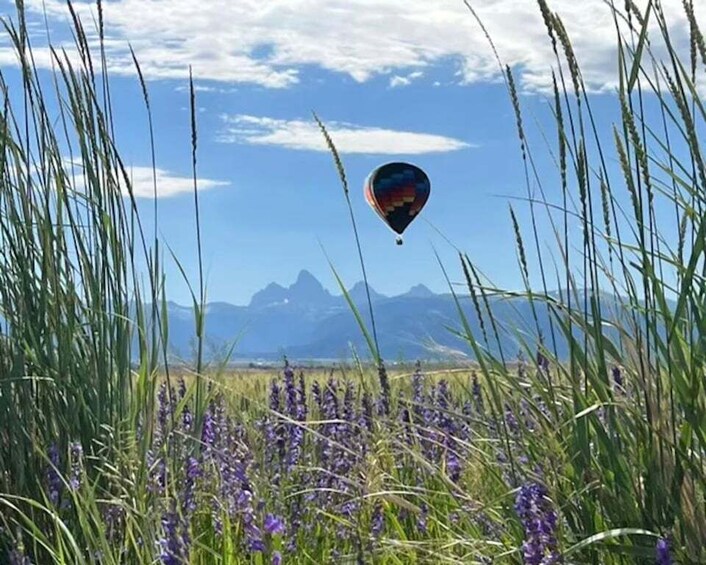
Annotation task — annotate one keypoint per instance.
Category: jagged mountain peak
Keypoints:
(305, 291)
(308, 284)
(419, 291)
(305, 277)
(272, 294)
(358, 294)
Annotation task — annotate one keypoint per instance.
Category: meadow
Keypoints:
(111, 455)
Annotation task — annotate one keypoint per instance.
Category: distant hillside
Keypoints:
(305, 321)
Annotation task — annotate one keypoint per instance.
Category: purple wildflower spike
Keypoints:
(662, 552)
(301, 391)
(193, 472)
(377, 522)
(477, 394)
(53, 478)
(274, 525)
(542, 362)
(384, 390)
(290, 393)
(539, 521)
(18, 557)
(366, 412)
(76, 456)
(316, 394)
(174, 543)
(163, 412)
(618, 378)
(422, 518)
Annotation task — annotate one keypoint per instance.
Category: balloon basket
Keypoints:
(399, 241)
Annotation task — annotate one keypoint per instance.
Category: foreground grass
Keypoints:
(598, 458)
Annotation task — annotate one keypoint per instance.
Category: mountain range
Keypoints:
(306, 322)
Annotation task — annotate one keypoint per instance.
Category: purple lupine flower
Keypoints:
(76, 457)
(488, 528)
(366, 412)
(663, 556)
(295, 520)
(453, 461)
(329, 435)
(301, 391)
(467, 412)
(539, 521)
(348, 510)
(290, 393)
(618, 378)
(447, 426)
(348, 409)
(417, 394)
(542, 362)
(113, 517)
(377, 521)
(253, 533)
(294, 451)
(430, 437)
(17, 556)
(235, 491)
(405, 418)
(208, 430)
(163, 412)
(513, 425)
(384, 390)
(209, 439)
(477, 394)
(275, 430)
(157, 472)
(346, 433)
(528, 418)
(294, 410)
(173, 543)
(442, 404)
(275, 405)
(53, 478)
(193, 472)
(330, 400)
(316, 393)
(422, 518)
(274, 525)
(276, 558)
(187, 418)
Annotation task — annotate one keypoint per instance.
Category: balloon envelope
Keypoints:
(397, 192)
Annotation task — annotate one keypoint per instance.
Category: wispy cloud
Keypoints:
(268, 43)
(168, 184)
(398, 80)
(349, 138)
(143, 179)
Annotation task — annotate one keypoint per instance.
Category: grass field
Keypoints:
(597, 458)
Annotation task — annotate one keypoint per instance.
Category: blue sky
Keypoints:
(394, 80)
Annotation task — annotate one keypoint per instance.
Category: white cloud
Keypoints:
(398, 80)
(268, 43)
(349, 138)
(142, 180)
(168, 184)
(199, 88)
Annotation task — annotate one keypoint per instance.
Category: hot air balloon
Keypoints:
(397, 192)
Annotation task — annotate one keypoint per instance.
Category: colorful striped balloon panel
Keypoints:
(397, 192)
